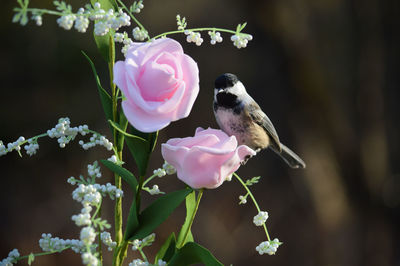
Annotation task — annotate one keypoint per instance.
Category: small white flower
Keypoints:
(136, 244)
(242, 199)
(215, 37)
(160, 172)
(169, 168)
(66, 21)
(106, 238)
(260, 218)
(194, 37)
(119, 37)
(160, 262)
(101, 28)
(82, 219)
(268, 247)
(155, 190)
(241, 40)
(81, 24)
(139, 34)
(14, 254)
(113, 159)
(88, 235)
(138, 262)
(89, 259)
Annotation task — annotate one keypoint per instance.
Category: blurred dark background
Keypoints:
(326, 73)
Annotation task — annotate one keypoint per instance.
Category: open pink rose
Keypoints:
(207, 159)
(160, 84)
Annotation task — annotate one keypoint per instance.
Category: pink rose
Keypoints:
(160, 84)
(207, 159)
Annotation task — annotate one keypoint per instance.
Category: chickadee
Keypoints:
(239, 115)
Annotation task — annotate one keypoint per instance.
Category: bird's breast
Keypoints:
(242, 127)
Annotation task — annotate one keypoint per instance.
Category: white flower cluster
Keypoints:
(94, 170)
(38, 19)
(147, 241)
(16, 145)
(155, 190)
(96, 139)
(104, 21)
(66, 21)
(81, 22)
(160, 172)
(111, 190)
(83, 218)
(169, 168)
(215, 37)
(243, 199)
(48, 243)
(89, 259)
(65, 133)
(3, 149)
(260, 218)
(123, 38)
(32, 147)
(268, 247)
(241, 40)
(14, 254)
(106, 238)
(88, 235)
(87, 195)
(140, 34)
(139, 262)
(137, 6)
(194, 37)
(113, 159)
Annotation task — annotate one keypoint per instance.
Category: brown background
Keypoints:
(326, 73)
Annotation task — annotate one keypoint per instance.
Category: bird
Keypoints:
(238, 114)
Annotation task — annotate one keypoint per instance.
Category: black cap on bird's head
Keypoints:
(226, 80)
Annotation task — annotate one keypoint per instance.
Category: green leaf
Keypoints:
(133, 222)
(141, 147)
(158, 212)
(105, 98)
(190, 207)
(167, 250)
(193, 253)
(123, 122)
(122, 172)
(103, 45)
(16, 17)
(106, 4)
(31, 258)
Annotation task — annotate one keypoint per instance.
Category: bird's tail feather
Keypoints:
(291, 158)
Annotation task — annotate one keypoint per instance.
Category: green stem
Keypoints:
(131, 15)
(143, 255)
(194, 29)
(254, 201)
(186, 234)
(138, 197)
(123, 251)
(100, 242)
(41, 254)
(148, 180)
(49, 12)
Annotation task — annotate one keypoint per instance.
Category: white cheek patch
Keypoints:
(238, 89)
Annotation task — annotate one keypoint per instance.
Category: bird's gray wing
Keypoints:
(260, 118)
